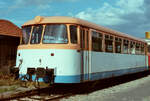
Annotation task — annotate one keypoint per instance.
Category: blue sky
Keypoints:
(128, 16)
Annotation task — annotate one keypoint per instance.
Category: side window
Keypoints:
(132, 47)
(125, 46)
(108, 43)
(82, 38)
(96, 41)
(137, 48)
(73, 34)
(87, 39)
(142, 49)
(149, 48)
(118, 45)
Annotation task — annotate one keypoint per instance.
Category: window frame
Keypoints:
(76, 34)
(138, 50)
(67, 32)
(118, 40)
(110, 38)
(32, 33)
(125, 46)
(132, 47)
(29, 35)
(100, 38)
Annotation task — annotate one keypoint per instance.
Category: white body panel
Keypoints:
(68, 66)
(65, 62)
(102, 62)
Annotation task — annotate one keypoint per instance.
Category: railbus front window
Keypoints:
(55, 34)
(36, 34)
(73, 34)
(26, 34)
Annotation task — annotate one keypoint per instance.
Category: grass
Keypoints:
(8, 80)
(9, 88)
(8, 83)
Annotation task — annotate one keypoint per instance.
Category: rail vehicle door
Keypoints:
(85, 56)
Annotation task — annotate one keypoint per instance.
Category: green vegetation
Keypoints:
(8, 83)
(8, 88)
(8, 80)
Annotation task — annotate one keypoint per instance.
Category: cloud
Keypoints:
(37, 4)
(24, 10)
(40, 4)
(128, 16)
(102, 15)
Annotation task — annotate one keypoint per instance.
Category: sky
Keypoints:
(127, 16)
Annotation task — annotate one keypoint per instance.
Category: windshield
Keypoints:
(36, 34)
(55, 34)
(26, 34)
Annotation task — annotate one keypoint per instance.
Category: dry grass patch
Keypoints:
(8, 88)
(8, 83)
(8, 80)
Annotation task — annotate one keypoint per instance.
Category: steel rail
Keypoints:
(24, 94)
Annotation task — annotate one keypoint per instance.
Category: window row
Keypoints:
(115, 44)
(57, 33)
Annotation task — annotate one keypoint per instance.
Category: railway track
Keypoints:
(42, 98)
(56, 92)
(40, 94)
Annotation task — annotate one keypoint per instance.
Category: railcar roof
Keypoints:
(71, 20)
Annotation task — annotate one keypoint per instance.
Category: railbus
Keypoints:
(71, 50)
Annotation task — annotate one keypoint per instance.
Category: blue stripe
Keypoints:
(108, 74)
(68, 79)
(93, 76)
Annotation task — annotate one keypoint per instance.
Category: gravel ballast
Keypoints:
(137, 90)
